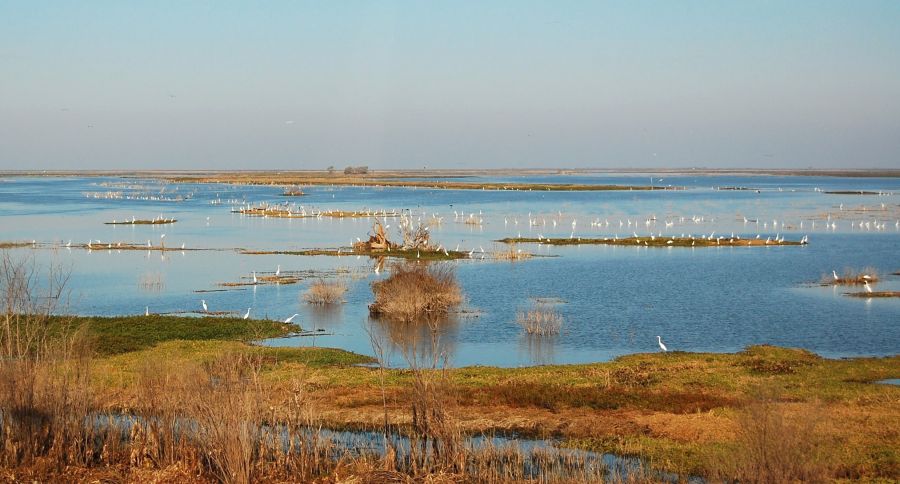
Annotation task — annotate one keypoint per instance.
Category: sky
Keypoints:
(455, 84)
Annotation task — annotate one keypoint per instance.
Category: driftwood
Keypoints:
(414, 237)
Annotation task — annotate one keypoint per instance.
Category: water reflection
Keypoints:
(429, 343)
(539, 350)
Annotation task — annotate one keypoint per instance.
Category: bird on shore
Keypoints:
(288, 320)
(661, 345)
(868, 287)
(254, 277)
(247, 314)
(834, 273)
(278, 270)
(147, 311)
(203, 303)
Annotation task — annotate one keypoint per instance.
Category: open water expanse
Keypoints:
(614, 300)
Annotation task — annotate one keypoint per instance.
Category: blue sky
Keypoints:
(289, 84)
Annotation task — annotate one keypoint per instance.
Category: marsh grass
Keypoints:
(541, 319)
(852, 277)
(325, 292)
(510, 252)
(151, 282)
(117, 335)
(416, 290)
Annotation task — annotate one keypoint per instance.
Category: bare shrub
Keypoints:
(44, 379)
(774, 446)
(325, 292)
(416, 290)
(541, 319)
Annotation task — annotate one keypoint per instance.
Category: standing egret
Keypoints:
(868, 287)
(661, 345)
(147, 311)
(834, 273)
(288, 320)
(203, 302)
(247, 314)
(254, 277)
(278, 270)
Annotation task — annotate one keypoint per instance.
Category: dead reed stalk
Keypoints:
(541, 319)
(325, 292)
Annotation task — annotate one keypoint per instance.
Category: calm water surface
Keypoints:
(615, 300)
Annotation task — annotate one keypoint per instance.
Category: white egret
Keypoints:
(290, 319)
(868, 287)
(247, 314)
(834, 273)
(203, 302)
(147, 311)
(254, 277)
(278, 270)
(661, 345)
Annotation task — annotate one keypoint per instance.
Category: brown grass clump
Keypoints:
(852, 277)
(541, 319)
(325, 292)
(511, 253)
(416, 290)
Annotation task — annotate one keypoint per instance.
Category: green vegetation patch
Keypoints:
(116, 335)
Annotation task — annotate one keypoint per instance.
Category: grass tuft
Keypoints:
(416, 290)
(325, 292)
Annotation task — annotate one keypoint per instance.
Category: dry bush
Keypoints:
(541, 319)
(511, 252)
(775, 447)
(414, 291)
(325, 292)
(45, 392)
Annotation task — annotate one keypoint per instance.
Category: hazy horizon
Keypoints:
(294, 85)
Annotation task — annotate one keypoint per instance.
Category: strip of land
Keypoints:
(457, 173)
(409, 254)
(387, 181)
(653, 241)
(156, 221)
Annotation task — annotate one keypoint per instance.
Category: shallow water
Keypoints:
(616, 299)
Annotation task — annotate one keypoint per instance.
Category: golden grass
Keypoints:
(511, 252)
(325, 292)
(541, 319)
(414, 291)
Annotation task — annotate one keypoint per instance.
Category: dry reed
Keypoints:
(541, 319)
(414, 291)
(511, 253)
(325, 292)
(852, 277)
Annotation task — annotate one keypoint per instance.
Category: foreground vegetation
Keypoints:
(694, 414)
(189, 399)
